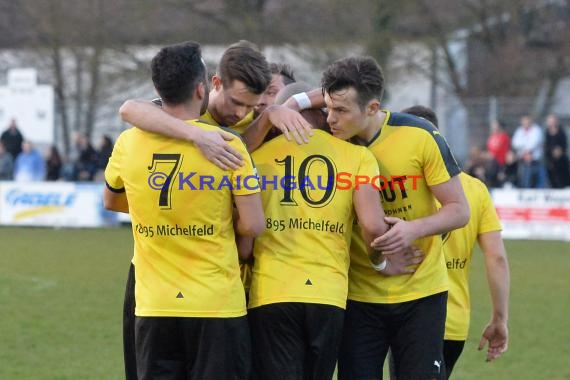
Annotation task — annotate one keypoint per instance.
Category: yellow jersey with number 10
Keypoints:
(303, 254)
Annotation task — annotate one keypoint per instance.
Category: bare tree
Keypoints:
(514, 47)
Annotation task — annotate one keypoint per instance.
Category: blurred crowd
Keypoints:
(21, 161)
(533, 157)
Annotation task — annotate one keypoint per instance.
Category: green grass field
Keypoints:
(61, 295)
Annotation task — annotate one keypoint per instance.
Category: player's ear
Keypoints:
(216, 82)
(372, 107)
(201, 90)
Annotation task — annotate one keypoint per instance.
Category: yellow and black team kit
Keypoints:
(239, 127)
(303, 254)
(458, 250)
(413, 156)
(185, 255)
(300, 275)
(188, 292)
(129, 302)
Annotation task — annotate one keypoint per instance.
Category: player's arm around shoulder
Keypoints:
(149, 117)
(291, 123)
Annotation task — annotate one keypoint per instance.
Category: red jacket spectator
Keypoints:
(498, 143)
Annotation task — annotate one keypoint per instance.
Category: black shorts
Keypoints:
(452, 349)
(129, 350)
(293, 340)
(180, 348)
(413, 330)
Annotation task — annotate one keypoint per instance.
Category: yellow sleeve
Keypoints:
(244, 179)
(439, 163)
(489, 220)
(368, 164)
(113, 169)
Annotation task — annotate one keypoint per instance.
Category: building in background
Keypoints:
(30, 104)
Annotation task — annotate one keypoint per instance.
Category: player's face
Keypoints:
(206, 99)
(232, 103)
(268, 97)
(345, 116)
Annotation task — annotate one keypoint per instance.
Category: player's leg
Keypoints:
(277, 332)
(366, 336)
(452, 349)
(160, 348)
(323, 328)
(129, 352)
(418, 344)
(217, 348)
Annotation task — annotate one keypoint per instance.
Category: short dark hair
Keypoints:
(362, 73)
(424, 112)
(177, 70)
(243, 62)
(284, 70)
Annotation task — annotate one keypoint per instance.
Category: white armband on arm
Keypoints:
(380, 267)
(302, 100)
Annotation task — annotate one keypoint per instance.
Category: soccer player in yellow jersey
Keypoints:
(242, 76)
(485, 228)
(281, 76)
(300, 280)
(406, 313)
(189, 298)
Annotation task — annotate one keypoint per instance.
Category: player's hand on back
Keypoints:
(214, 146)
(291, 123)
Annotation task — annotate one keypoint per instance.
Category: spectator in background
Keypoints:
(508, 174)
(6, 164)
(528, 145)
(29, 166)
(105, 150)
(12, 139)
(103, 153)
(555, 146)
(499, 142)
(53, 164)
(281, 76)
(483, 166)
(86, 164)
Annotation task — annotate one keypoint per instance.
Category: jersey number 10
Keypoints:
(306, 183)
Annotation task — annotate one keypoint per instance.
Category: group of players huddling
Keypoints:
(328, 275)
